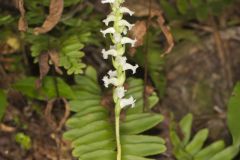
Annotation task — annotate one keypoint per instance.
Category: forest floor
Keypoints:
(200, 79)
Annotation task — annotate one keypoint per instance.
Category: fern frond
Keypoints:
(70, 57)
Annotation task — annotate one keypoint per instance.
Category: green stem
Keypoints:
(117, 132)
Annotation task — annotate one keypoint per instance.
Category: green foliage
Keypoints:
(47, 91)
(91, 130)
(233, 115)
(182, 6)
(3, 103)
(155, 62)
(182, 12)
(186, 149)
(24, 140)
(70, 55)
(6, 19)
(194, 9)
(78, 31)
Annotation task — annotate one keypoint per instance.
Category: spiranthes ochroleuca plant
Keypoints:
(118, 32)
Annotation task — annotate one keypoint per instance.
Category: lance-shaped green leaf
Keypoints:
(208, 152)
(85, 148)
(134, 139)
(233, 115)
(99, 155)
(186, 126)
(77, 105)
(227, 154)
(77, 122)
(3, 103)
(142, 149)
(131, 157)
(84, 130)
(197, 142)
(140, 124)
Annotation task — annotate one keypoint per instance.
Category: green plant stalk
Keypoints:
(117, 131)
(118, 76)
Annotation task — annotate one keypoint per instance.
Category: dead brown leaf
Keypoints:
(138, 31)
(165, 29)
(22, 23)
(43, 65)
(54, 57)
(140, 7)
(141, 10)
(48, 114)
(5, 128)
(55, 13)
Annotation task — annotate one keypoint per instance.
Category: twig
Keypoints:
(57, 127)
(24, 53)
(55, 82)
(222, 52)
(202, 27)
(2, 71)
(73, 11)
(145, 100)
(5, 128)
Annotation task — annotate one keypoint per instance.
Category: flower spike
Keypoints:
(117, 77)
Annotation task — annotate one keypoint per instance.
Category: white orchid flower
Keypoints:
(109, 19)
(112, 73)
(127, 101)
(108, 1)
(126, 10)
(112, 80)
(126, 66)
(108, 30)
(120, 92)
(111, 52)
(126, 23)
(126, 40)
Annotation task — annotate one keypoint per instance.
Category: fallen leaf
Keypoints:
(165, 29)
(138, 31)
(55, 13)
(22, 23)
(140, 7)
(6, 128)
(48, 113)
(141, 10)
(43, 65)
(54, 57)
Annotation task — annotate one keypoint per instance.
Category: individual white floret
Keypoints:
(107, 81)
(111, 52)
(126, 10)
(120, 92)
(128, 66)
(127, 101)
(117, 37)
(126, 40)
(108, 1)
(126, 23)
(109, 19)
(108, 30)
(112, 73)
